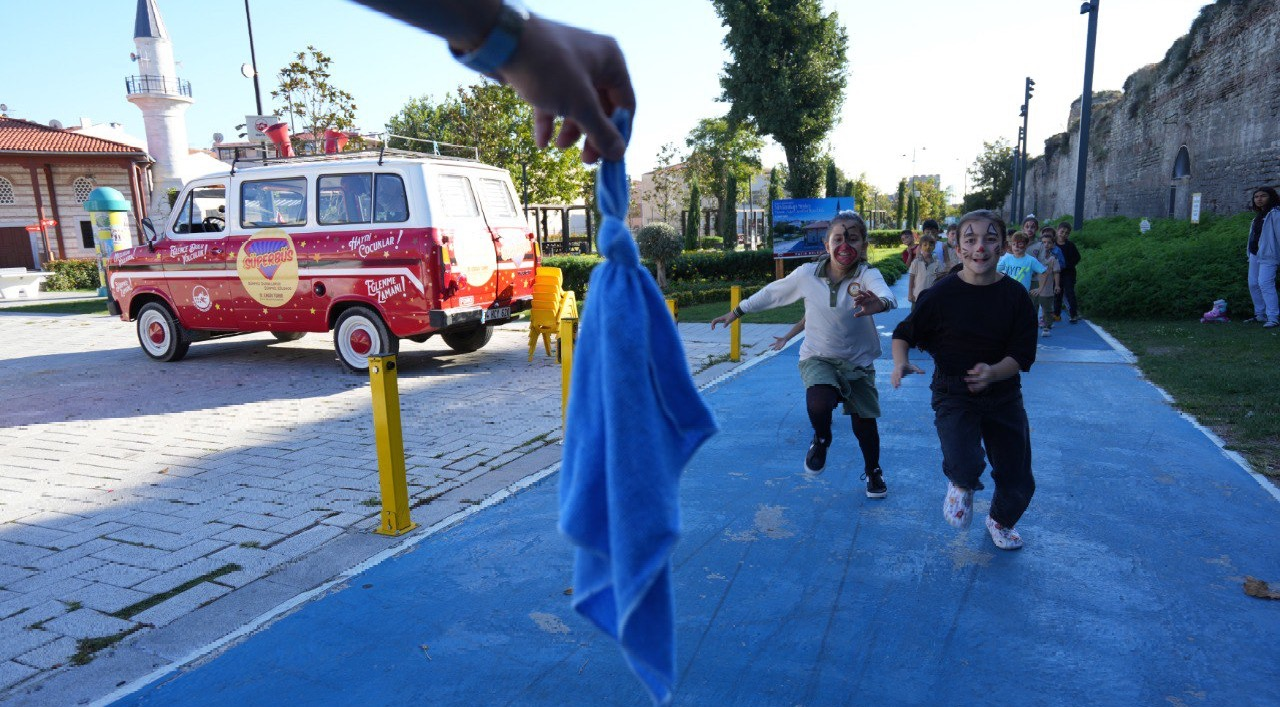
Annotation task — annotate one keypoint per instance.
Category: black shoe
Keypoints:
(817, 456)
(875, 483)
(1254, 320)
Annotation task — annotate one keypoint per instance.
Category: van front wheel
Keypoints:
(469, 340)
(161, 336)
(360, 333)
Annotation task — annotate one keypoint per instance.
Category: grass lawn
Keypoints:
(789, 314)
(1223, 374)
(81, 307)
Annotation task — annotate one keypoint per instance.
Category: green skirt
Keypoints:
(856, 384)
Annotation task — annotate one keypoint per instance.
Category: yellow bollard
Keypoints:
(675, 309)
(390, 444)
(735, 329)
(565, 341)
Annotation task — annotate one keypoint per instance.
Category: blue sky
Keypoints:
(936, 76)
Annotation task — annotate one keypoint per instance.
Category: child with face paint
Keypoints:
(1050, 280)
(841, 292)
(980, 329)
(1018, 265)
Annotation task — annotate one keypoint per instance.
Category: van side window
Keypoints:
(273, 202)
(496, 199)
(456, 196)
(203, 211)
(391, 205)
(344, 198)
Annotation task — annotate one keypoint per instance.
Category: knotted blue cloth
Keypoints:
(635, 418)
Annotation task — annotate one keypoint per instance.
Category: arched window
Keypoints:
(6, 192)
(80, 188)
(1182, 165)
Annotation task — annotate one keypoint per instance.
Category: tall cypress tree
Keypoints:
(833, 183)
(902, 202)
(729, 214)
(775, 193)
(694, 222)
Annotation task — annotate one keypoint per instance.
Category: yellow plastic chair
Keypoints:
(544, 317)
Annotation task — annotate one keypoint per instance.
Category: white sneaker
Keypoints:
(958, 506)
(1044, 333)
(1004, 538)
(1270, 325)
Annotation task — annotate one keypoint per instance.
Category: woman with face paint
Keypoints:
(1264, 257)
(980, 328)
(841, 292)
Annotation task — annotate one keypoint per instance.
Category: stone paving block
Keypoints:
(252, 520)
(246, 535)
(55, 589)
(306, 541)
(11, 573)
(86, 623)
(119, 575)
(50, 655)
(16, 641)
(184, 603)
(39, 535)
(298, 522)
(149, 537)
(170, 579)
(352, 519)
(21, 555)
(73, 568)
(11, 672)
(105, 598)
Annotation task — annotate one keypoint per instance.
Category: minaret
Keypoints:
(163, 99)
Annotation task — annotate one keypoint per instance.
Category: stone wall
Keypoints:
(1216, 94)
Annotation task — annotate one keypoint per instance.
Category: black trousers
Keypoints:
(1068, 282)
(995, 420)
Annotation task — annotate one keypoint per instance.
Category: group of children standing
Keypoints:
(978, 324)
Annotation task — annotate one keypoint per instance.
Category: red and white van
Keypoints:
(375, 247)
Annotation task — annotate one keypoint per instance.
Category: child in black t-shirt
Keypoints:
(980, 328)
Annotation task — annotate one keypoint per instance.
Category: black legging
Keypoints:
(1068, 293)
(820, 401)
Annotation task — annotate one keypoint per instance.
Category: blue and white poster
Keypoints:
(800, 225)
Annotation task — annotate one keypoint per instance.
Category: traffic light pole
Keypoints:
(1086, 108)
(1022, 187)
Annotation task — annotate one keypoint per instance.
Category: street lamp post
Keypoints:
(911, 187)
(1013, 189)
(253, 59)
(1086, 106)
(1022, 187)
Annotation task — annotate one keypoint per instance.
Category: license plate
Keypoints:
(495, 313)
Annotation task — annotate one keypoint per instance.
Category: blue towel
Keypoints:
(635, 418)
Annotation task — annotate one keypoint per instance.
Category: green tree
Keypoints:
(991, 175)
(833, 182)
(729, 214)
(848, 189)
(931, 201)
(913, 209)
(860, 191)
(309, 97)
(693, 224)
(660, 243)
(775, 193)
(902, 202)
(719, 150)
(493, 119)
(787, 73)
(667, 186)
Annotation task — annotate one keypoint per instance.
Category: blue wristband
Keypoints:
(496, 49)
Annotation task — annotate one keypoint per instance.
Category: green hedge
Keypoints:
(885, 237)
(1175, 271)
(700, 271)
(71, 275)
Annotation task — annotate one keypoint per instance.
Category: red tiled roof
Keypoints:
(25, 136)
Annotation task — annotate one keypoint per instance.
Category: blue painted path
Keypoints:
(796, 590)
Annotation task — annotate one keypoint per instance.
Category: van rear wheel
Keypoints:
(360, 333)
(469, 340)
(162, 337)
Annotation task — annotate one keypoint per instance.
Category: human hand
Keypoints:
(901, 370)
(1035, 292)
(1057, 290)
(979, 377)
(724, 319)
(567, 72)
(779, 343)
(867, 303)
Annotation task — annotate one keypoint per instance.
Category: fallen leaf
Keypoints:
(1258, 588)
(568, 592)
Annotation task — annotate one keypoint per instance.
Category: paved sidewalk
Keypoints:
(797, 589)
(164, 505)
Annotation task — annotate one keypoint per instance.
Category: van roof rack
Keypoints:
(439, 150)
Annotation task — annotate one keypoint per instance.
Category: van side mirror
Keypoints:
(149, 233)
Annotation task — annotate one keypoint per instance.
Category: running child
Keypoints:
(980, 329)
(841, 292)
(1050, 280)
(926, 269)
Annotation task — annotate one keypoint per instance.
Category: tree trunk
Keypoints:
(804, 171)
